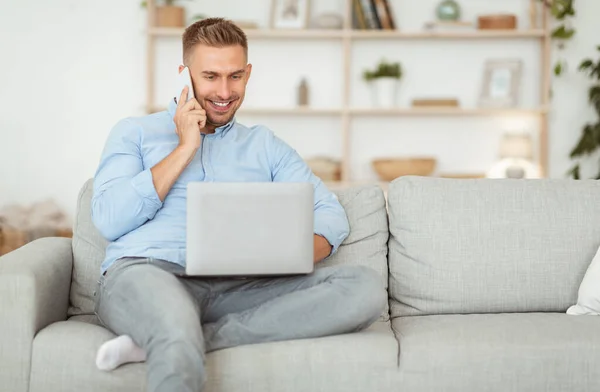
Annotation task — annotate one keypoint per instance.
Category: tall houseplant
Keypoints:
(562, 11)
(589, 141)
(384, 80)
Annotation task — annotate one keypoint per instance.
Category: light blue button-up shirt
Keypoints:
(126, 208)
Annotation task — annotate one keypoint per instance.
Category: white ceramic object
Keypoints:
(384, 92)
(509, 167)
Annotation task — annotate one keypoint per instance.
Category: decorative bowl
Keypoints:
(389, 169)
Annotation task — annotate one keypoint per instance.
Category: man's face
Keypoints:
(219, 76)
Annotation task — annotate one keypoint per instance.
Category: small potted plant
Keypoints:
(384, 82)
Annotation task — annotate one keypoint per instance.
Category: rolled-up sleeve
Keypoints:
(330, 219)
(124, 193)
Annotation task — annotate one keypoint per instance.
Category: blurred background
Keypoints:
(364, 90)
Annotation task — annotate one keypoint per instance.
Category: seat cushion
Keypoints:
(64, 360)
(364, 361)
(549, 352)
(490, 246)
(366, 244)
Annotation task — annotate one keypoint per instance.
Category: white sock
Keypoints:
(117, 352)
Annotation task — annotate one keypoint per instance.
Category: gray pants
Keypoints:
(177, 319)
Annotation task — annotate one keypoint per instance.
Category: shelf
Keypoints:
(473, 34)
(262, 33)
(290, 111)
(348, 39)
(274, 111)
(473, 112)
(156, 109)
(166, 31)
(409, 112)
(368, 34)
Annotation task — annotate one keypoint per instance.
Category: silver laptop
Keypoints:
(249, 229)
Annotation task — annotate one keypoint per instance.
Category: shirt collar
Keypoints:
(222, 130)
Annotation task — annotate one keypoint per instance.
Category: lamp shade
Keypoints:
(516, 145)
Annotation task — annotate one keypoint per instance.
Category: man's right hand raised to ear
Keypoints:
(189, 119)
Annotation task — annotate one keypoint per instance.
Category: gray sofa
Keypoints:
(480, 274)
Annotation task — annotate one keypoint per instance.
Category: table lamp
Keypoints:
(516, 158)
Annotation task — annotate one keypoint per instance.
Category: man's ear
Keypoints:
(181, 67)
(248, 71)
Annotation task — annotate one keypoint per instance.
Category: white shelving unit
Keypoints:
(540, 31)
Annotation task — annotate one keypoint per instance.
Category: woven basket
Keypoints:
(326, 169)
(392, 168)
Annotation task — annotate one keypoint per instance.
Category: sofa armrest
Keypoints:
(34, 292)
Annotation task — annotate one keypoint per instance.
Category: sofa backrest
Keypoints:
(366, 244)
(489, 246)
(88, 253)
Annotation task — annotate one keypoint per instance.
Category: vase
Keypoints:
(384, 92)
(448, 10)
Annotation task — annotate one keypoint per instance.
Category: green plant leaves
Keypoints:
(585, 64)
(560, 9)
(588, 142)
(144, 3)
(558, 69)
(594, 94)
(574, 172)
(384, 69)
(562, 32)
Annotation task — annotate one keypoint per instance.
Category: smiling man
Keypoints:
(139, 206)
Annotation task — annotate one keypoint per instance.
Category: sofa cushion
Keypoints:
(64, 360)
(499, 352)
(366, 244)
(490, 246)
(88, 253)
(588, 296)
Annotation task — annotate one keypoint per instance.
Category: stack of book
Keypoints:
(372, 15)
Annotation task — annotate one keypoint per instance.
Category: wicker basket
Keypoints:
(325, 168)
(392, 168)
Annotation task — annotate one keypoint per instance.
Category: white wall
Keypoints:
(70, 69)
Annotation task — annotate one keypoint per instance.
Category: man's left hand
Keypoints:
(322, 248)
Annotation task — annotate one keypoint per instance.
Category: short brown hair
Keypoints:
(215, 32)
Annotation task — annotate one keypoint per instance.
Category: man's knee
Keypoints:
(177, 346)
(366, 293)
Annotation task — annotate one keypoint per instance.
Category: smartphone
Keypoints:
(184, 79)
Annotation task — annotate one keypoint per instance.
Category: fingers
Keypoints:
(192, 105)
(198, 112)
(199, 117)
(182, 97)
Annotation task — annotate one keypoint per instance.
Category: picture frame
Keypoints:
(289, 14)
(501, 83)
